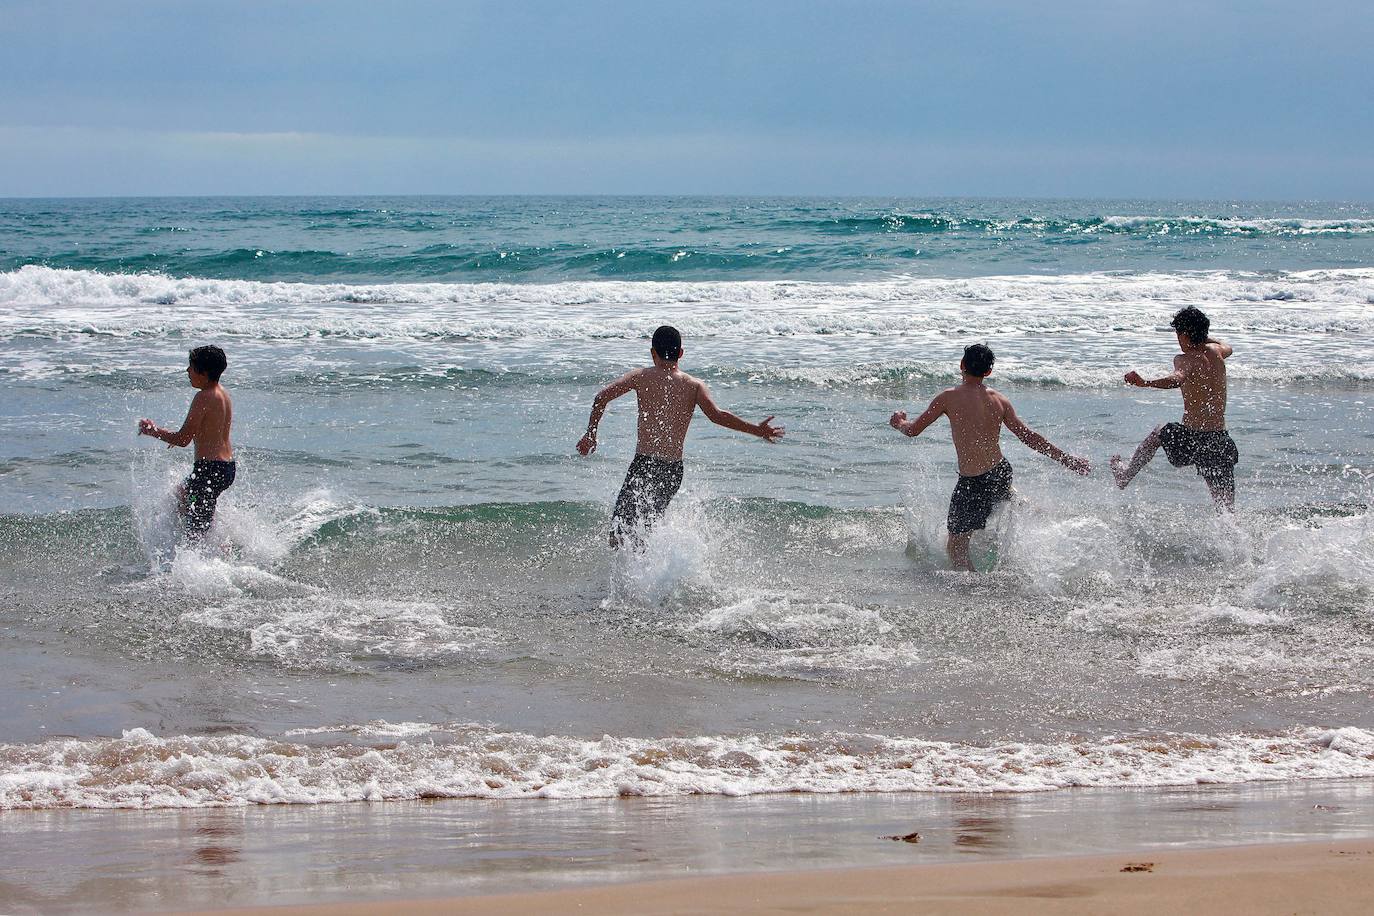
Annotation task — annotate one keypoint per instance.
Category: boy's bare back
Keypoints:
(668, 399)
(976, 414)
(1203, 377)
(1200, 375)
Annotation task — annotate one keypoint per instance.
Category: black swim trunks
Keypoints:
(975, 497)
(207, 481)
(650, 485)
(1213, 452)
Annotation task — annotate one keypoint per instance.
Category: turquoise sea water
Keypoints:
(546, 240)
(408, 592)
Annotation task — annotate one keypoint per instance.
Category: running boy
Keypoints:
(668, 398)
(1201, 439)
(207, 425)
(976, 417)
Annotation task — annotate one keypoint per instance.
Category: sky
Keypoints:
(1212, 99)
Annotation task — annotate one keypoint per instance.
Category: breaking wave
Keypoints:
(43, 303)
(141, 770)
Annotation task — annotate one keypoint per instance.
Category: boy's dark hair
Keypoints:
(1192, 324)
(209, 361)
(978, 359)
(667, 343)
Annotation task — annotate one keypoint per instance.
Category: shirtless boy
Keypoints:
(976, 417)
(1201, 439)
(207, 425)
(668, 398)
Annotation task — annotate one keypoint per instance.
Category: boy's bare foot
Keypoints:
(1119, 472)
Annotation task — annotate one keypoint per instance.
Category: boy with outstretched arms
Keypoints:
(976, 416)
(1201, 439)
(668, 399)
(207, 425)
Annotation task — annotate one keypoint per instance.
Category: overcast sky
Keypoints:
(1107, 98)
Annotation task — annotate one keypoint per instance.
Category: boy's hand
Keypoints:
(1078, 465)
(147, 427)
(898, 421)
(587, 444)
(1134, 378)
(770, 432)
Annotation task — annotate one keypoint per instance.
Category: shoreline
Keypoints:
(367, 856)
(1327, 877)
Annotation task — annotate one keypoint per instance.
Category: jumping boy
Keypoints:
(207, 425)
(668, 398)
(1201, 439)
(976, 417)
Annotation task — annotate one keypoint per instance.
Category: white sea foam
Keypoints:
(199, 572)
(60, 315)
(312, 631)
(821, 661)
(793, 621)
(1327, 565)
(1125, 615)
(140, 770)
(673, 555)
(44, 302)
(779, 634)
(369, 730)
(1295, 667)
(1183, 225)
(265, 538)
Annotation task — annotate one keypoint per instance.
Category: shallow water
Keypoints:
(408, 594)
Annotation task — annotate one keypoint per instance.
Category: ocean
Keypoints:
(407, 594)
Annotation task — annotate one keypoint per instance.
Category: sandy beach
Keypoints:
(1277, 878)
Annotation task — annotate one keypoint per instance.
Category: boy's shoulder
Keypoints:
(213, 398)
(682, 378)
(961, 392)
(1197, 359)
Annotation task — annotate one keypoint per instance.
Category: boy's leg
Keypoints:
(1222, 485)
(200, 495)
(650, 486)
(200, 511)
(625, 515)
(1124, 473)
(957, 548)
(970, 507)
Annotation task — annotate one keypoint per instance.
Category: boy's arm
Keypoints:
(1172, 380)
(1223, 349)
(1039, 443)
(623, 385)
(764, 429)
(189, 428)
(917, 426)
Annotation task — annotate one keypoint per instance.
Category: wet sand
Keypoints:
(371, 855)
(1281, 878)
